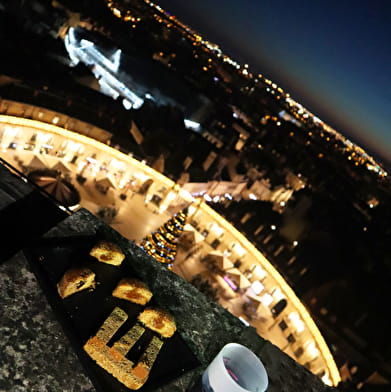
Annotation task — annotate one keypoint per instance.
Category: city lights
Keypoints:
(157, 119)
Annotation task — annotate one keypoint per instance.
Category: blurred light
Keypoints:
(259, 272)
(300, 327)
(195, 126)
(267, 299)
(244, 321)
(257, 287)
(273, 227)
(294, 317)
(326, 379)
(127, 104)
(230, 283)
(277, 294)
(312, 350)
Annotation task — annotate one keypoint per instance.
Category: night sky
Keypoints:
(334, 57)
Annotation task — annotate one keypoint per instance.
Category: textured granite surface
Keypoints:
(205, 326)
(35, 355)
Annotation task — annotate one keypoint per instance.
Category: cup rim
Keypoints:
(254, 357)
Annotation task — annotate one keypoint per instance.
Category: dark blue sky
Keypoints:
(334, 57)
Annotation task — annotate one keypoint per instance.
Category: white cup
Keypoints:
(235, 369)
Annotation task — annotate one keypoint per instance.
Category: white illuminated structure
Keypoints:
(105, 69)
(194, 126)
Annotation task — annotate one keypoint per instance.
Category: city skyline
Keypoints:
(146, 114)
(333, 65)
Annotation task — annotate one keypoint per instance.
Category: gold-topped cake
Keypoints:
(133, 290)
(158, 320)
(107, 252)
(75, 280)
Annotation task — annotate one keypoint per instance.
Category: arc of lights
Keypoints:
(285, 288)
